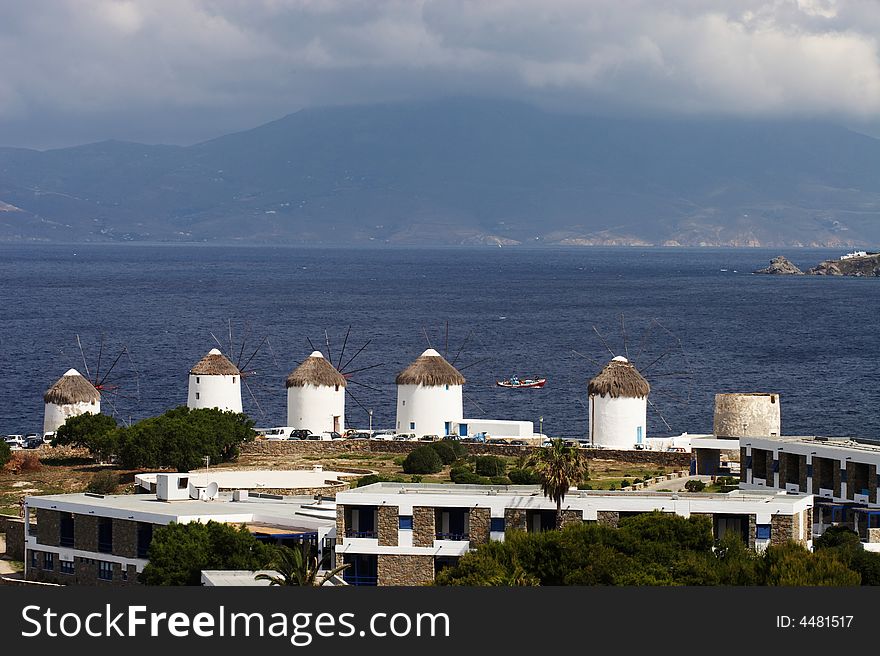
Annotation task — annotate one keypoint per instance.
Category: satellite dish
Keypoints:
(211, 491)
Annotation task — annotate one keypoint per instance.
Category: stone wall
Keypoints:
(302, 448)
(782, 529)
(753, 531)
(388, 526)
(405, 569)
(571, 517)
(424, 529)
(514, 519)
(480, 522)
(15, 538)
(608, 517)
(340, 523)
(85, 532)
(125, 538)
(49, 527)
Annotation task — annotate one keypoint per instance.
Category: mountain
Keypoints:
(459, 171)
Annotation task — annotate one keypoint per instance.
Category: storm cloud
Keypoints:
(180, 71)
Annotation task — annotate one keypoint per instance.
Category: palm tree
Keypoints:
(293, 567)
(559, 467)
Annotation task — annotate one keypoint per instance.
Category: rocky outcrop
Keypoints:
(781, 266)
(859, 267)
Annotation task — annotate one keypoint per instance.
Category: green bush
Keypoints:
(585, 486)
(368, 480)
(422, 460)
(500, 480)
(104, 482)
(446, 451)
(5, 453)
(524, 477)
(489, 466)
(624, 483)
(95, 432)
(695, 486)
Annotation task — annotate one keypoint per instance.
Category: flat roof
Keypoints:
(254, 479)
(283, 512)
(535, 491)
(860, 444)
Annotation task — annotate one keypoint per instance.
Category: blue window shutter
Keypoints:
(406, 522)
(762, 531)
(496, 524)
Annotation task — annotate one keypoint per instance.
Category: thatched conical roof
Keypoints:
(619, 378)
(315, 370)
(214, 364)
(430, 369)
(71, 388)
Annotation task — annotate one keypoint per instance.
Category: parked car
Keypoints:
(331, 435)
(387, 436)
(299, 433)
(358, 435)
(323, 437)
(429, 438)
(517, 443)
(33, 442)
(15, 441)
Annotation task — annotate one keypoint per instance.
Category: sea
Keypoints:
(695, 321)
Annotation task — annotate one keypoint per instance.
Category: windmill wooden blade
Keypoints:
(344, 343)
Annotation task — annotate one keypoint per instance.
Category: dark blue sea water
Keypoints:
(814, 340)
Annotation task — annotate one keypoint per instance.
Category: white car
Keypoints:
(15, 441)
(384, 437)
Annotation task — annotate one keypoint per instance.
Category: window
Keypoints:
(65, 567)
(762, 531)
(48, 560)
(406, 522)
(447, 388)
(105, 535)
(105, 570)
(182, 483)
(233, 380)
(144, 537)
(197, 380)
(337, 387)
(197, 396)
(412, 425)
(496, 525)
(638, 434)
(66, 529)
(34, 559)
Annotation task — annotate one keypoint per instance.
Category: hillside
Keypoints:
(459, 172)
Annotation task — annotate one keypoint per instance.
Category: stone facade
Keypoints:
(782, 529)
(572, 517)
(608, 518)
(304, 448)
(424, 527)
(340, 523)
(480, 522)
(514, 519)
(85, 572)
(125, 538)
(872, 483)
(49, 527)
(15, 538)
(753, 531)
(837, 479)
(743, 458)
(85, 532)
(405, 570)
(388, 526)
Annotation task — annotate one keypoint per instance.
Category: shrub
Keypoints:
(585, 486)
(489, 466)
(695, 486)
(368, 480)
(422, 460)
(499, 480)
(624, 483)
(5, 453)
(30, 463)
(95, 432)
(446, 451)
(104, 482)
(524, 477)
(415, 478)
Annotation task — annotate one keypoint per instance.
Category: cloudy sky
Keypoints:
(180, 71)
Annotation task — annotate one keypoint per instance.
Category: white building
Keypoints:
(214, 382)
(316, 396)
(429, 396)
(403, 533)
(71, 395)
(85, 539)
(618, 406)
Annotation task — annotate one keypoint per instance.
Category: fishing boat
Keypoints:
(516, 382)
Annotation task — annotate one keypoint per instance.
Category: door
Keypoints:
(336, 426)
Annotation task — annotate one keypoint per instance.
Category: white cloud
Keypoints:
(778, 57)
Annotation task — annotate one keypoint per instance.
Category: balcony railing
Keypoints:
(453, 536)
(351, 533)
(66, 541)
(360, 580)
